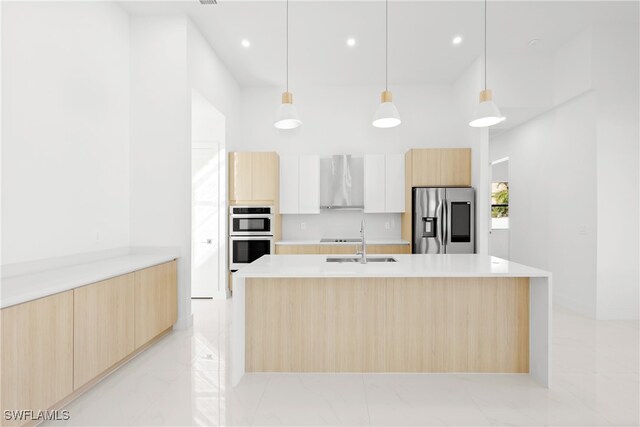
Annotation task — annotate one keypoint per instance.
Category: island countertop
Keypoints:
(300, 313)
(449, 265)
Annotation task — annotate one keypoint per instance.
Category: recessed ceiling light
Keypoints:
(534, 42)
(245, 43)
(351, 42)
(457, 40)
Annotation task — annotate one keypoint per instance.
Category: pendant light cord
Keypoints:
(485, 44)
(386, 46)
(287, 54)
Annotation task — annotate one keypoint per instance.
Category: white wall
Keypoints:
(552, 201)
(65, 139)
(578, 164)
(499, 237)
(338, 120)
(340, 224)
(210, 78)
(615, 78)
(466, 89)
(499, 243)
(160, 143)
(500, 171)
(1, 137)
(169, 60)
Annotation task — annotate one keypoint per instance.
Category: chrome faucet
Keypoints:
(363, 250)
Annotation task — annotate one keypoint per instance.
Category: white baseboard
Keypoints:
(184, 322)
(573, 305)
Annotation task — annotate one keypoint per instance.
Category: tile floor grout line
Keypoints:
(255, 411)
(603, 390)
(366, 400)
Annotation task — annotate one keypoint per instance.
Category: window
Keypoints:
(499, 205)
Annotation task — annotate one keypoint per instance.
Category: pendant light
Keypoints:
(287, 115)
(487, 112)
(386, 115)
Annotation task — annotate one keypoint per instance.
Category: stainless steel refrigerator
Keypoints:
(443, 220)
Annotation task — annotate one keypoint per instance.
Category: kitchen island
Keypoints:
(461, 313)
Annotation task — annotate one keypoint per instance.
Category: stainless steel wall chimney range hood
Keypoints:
(342, 182)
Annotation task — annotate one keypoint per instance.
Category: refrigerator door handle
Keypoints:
(440, 214)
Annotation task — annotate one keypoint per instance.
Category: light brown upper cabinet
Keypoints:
(103, 321)
(455, 166)
(37, 353)
(440, 167)
(253, 177)
(425, 167)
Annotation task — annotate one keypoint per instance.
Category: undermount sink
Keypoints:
(358, 259)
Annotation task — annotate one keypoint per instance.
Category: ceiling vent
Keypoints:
(211, 2)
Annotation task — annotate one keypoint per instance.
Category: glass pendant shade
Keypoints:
(486, 113)
(287, 115)
(387, 115)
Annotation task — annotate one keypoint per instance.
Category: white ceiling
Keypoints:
(420, 34)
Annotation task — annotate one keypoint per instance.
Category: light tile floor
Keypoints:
(182, 381)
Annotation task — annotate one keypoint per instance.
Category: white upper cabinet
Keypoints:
(383, 183)
(309, 184)
(374, 183)
(299, 184)
(394, 183)
(289, 198)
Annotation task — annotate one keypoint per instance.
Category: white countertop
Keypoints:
(318, 242)
(458, 265)
(28, 287)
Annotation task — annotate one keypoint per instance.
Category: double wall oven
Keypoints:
(250, 234)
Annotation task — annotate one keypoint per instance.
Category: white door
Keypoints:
(205, 232)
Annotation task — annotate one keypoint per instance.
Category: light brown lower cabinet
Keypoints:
(388, 249)
(103, 326)
(53, 346)
(156, 301)
(37, 354)
(339, 249)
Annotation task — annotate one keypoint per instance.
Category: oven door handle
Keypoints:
(264, 237)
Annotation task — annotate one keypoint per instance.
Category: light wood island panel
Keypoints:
(318, 326)
(457, 325)
(387, 325)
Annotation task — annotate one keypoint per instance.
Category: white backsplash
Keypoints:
(340, 224)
